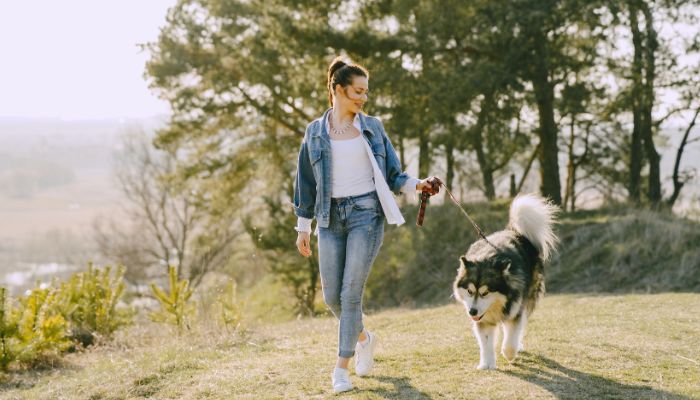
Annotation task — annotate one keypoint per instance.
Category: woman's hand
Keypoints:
(427, 183)
(303, 243)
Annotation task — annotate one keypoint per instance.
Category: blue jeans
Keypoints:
(346, 250)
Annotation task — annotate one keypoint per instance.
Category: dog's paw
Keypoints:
(509, 353)
(485, 366)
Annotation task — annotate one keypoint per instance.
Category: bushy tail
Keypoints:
(533, 216)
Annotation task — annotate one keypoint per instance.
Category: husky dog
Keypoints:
(500, 279)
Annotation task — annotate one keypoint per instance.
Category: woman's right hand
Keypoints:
(303, 243)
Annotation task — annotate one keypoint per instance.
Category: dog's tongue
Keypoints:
(475, 318)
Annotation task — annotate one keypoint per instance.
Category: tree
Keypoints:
(164, 225)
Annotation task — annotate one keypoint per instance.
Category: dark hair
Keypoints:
(341, 73)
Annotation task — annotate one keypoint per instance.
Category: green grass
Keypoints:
(577, 346)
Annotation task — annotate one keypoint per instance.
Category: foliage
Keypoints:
(34, 331)
(175, 307)
(276, 238)
(614, 249)
(496, 85)
(89, 301)
(231, 309)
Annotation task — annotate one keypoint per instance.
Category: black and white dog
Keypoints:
(500, 279)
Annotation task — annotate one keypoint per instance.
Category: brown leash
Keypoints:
(434, 189)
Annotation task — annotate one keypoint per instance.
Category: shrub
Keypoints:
(34, 330)
(88, 300)
(174, 306)
(230, 309)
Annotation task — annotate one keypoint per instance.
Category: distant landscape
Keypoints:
(56, 177)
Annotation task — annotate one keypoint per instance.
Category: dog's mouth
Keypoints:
(477, 318)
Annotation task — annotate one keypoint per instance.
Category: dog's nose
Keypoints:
(473, 311)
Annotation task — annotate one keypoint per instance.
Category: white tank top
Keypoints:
(351, 172)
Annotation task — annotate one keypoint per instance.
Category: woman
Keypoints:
(346, 172)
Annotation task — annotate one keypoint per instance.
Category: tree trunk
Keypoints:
(654, 189)
(544, 93)
(401, 150)
(677, 183)
(449, 155)
(477, 140)
(636, 140)
(535, 152)
(486, 174)
(424, 155)
(570, 166)
(310, 298)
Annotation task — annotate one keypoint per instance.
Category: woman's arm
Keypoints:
(399, 181)
(304, 199)
(304, 185)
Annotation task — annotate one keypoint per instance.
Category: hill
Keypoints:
(583, 347)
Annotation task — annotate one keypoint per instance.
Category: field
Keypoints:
(577, 346)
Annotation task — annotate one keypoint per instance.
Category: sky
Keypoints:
(78, 59)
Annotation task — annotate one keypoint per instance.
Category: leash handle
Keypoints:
(421, 211)
(425, 194)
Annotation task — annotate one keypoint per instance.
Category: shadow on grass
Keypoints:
(567, 383)
(25, 379)
(403, 389)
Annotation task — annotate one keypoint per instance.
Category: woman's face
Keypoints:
(354, 96)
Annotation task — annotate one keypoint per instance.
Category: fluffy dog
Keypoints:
(500, 279)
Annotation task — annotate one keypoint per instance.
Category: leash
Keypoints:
(432, 190)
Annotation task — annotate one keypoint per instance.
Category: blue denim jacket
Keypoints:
(312, 187)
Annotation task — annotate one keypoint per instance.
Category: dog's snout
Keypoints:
(473, 311)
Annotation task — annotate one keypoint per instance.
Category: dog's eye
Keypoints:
(471, 292)
(485, 294)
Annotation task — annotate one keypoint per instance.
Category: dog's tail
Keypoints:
(533, 217)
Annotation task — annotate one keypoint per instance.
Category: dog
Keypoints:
(500, 279)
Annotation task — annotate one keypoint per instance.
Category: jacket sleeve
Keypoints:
(304, 185)
(399, 181)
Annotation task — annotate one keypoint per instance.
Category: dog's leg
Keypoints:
(520, 331)
(513, 331)
(486, 336)
(508, 348)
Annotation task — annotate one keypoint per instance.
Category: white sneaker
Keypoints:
(341, 380)
(364, 355)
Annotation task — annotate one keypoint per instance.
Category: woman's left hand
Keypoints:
(426, 183)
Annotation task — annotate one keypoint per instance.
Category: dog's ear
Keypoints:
(463, 263)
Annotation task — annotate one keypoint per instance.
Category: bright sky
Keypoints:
(76, 59)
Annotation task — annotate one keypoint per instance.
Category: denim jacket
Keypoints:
(312, 186)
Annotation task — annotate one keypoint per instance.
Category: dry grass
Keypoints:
(583, 347)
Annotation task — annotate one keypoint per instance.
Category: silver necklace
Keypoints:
(341, 131)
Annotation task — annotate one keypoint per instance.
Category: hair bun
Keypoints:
(336, 64)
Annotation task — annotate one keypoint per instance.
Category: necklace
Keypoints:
(340, 131)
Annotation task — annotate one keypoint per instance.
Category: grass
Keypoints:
(577, 346)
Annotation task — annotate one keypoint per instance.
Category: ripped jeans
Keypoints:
(346, 251)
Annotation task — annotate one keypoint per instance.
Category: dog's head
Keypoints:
(482, 285)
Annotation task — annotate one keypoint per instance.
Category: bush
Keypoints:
(230, 309)
(34, 331)
(174, 306)
(88, 300)
(416, 266)
(47, 321)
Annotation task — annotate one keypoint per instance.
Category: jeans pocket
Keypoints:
(370, 204)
